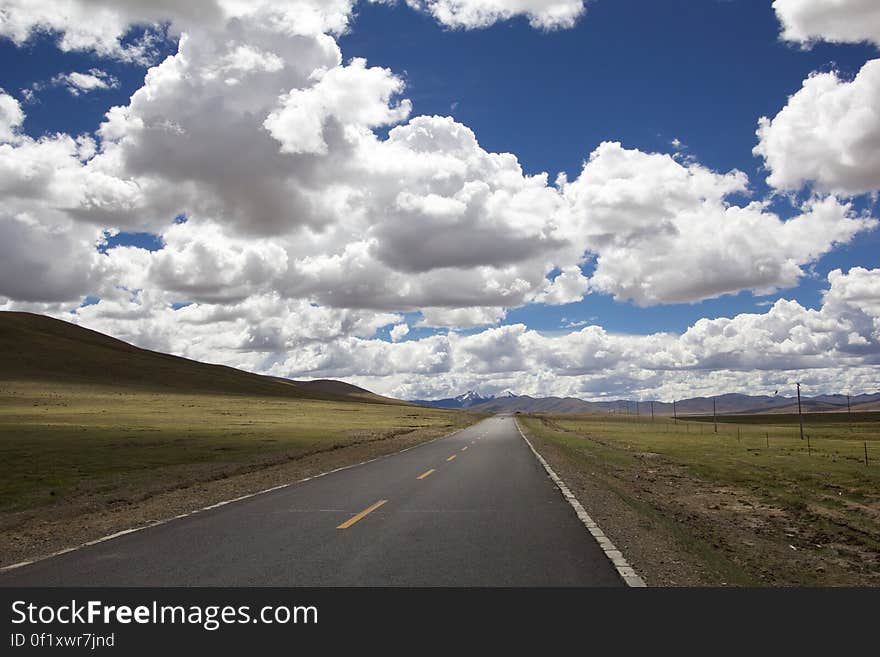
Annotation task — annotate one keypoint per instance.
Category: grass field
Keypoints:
(753, 501)
(105, 443)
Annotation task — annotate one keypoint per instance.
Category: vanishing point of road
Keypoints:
(471, 509)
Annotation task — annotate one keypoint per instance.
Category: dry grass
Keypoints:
(787, 514)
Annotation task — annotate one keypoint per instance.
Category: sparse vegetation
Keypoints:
(787, 514)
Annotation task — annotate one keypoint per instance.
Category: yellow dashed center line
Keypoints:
(451, 458)
(425, 474)
(348, 523)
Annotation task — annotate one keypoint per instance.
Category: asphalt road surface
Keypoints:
(471, 509)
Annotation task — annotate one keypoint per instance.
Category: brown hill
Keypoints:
(39, 348)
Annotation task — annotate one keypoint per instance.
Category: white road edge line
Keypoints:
(626, 572)
(216, 505)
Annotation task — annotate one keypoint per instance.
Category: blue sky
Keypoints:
(688, 79)
(54, 108)
(635, 71)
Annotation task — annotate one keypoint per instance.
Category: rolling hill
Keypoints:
(39, 348)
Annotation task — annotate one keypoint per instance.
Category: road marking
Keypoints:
(363, 514)
(451, 458)
(425, 474)
(629, 576)
(464, 448)
(186, 514)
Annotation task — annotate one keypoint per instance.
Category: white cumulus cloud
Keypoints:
(398, 332)
(11, 117)
(806, 21)
(81, 83)
(354, 96)
(828, 134)
(470, 14)
(664, 232)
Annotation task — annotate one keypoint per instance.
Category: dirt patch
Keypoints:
(90, 513)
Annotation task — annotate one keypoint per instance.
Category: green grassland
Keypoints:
(757, 502)
(60, 440)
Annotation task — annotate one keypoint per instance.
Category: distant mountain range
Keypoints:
(724, 404)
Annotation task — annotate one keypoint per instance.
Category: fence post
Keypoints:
(800, 415)
(849, 413)
(866, 452)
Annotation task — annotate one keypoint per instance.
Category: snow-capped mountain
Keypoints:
(471, 397)
(466, 400)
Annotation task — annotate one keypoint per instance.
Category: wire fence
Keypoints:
(836, 441)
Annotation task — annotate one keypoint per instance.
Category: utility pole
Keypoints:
(652, 411)
(674, 414)
(714, 415)
(800, 414)
(849, 412)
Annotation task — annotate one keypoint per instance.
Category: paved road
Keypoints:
(472, 509)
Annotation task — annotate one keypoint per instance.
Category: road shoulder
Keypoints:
(650, 547)
(624, 569)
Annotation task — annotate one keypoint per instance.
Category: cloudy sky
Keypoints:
(615, 198)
